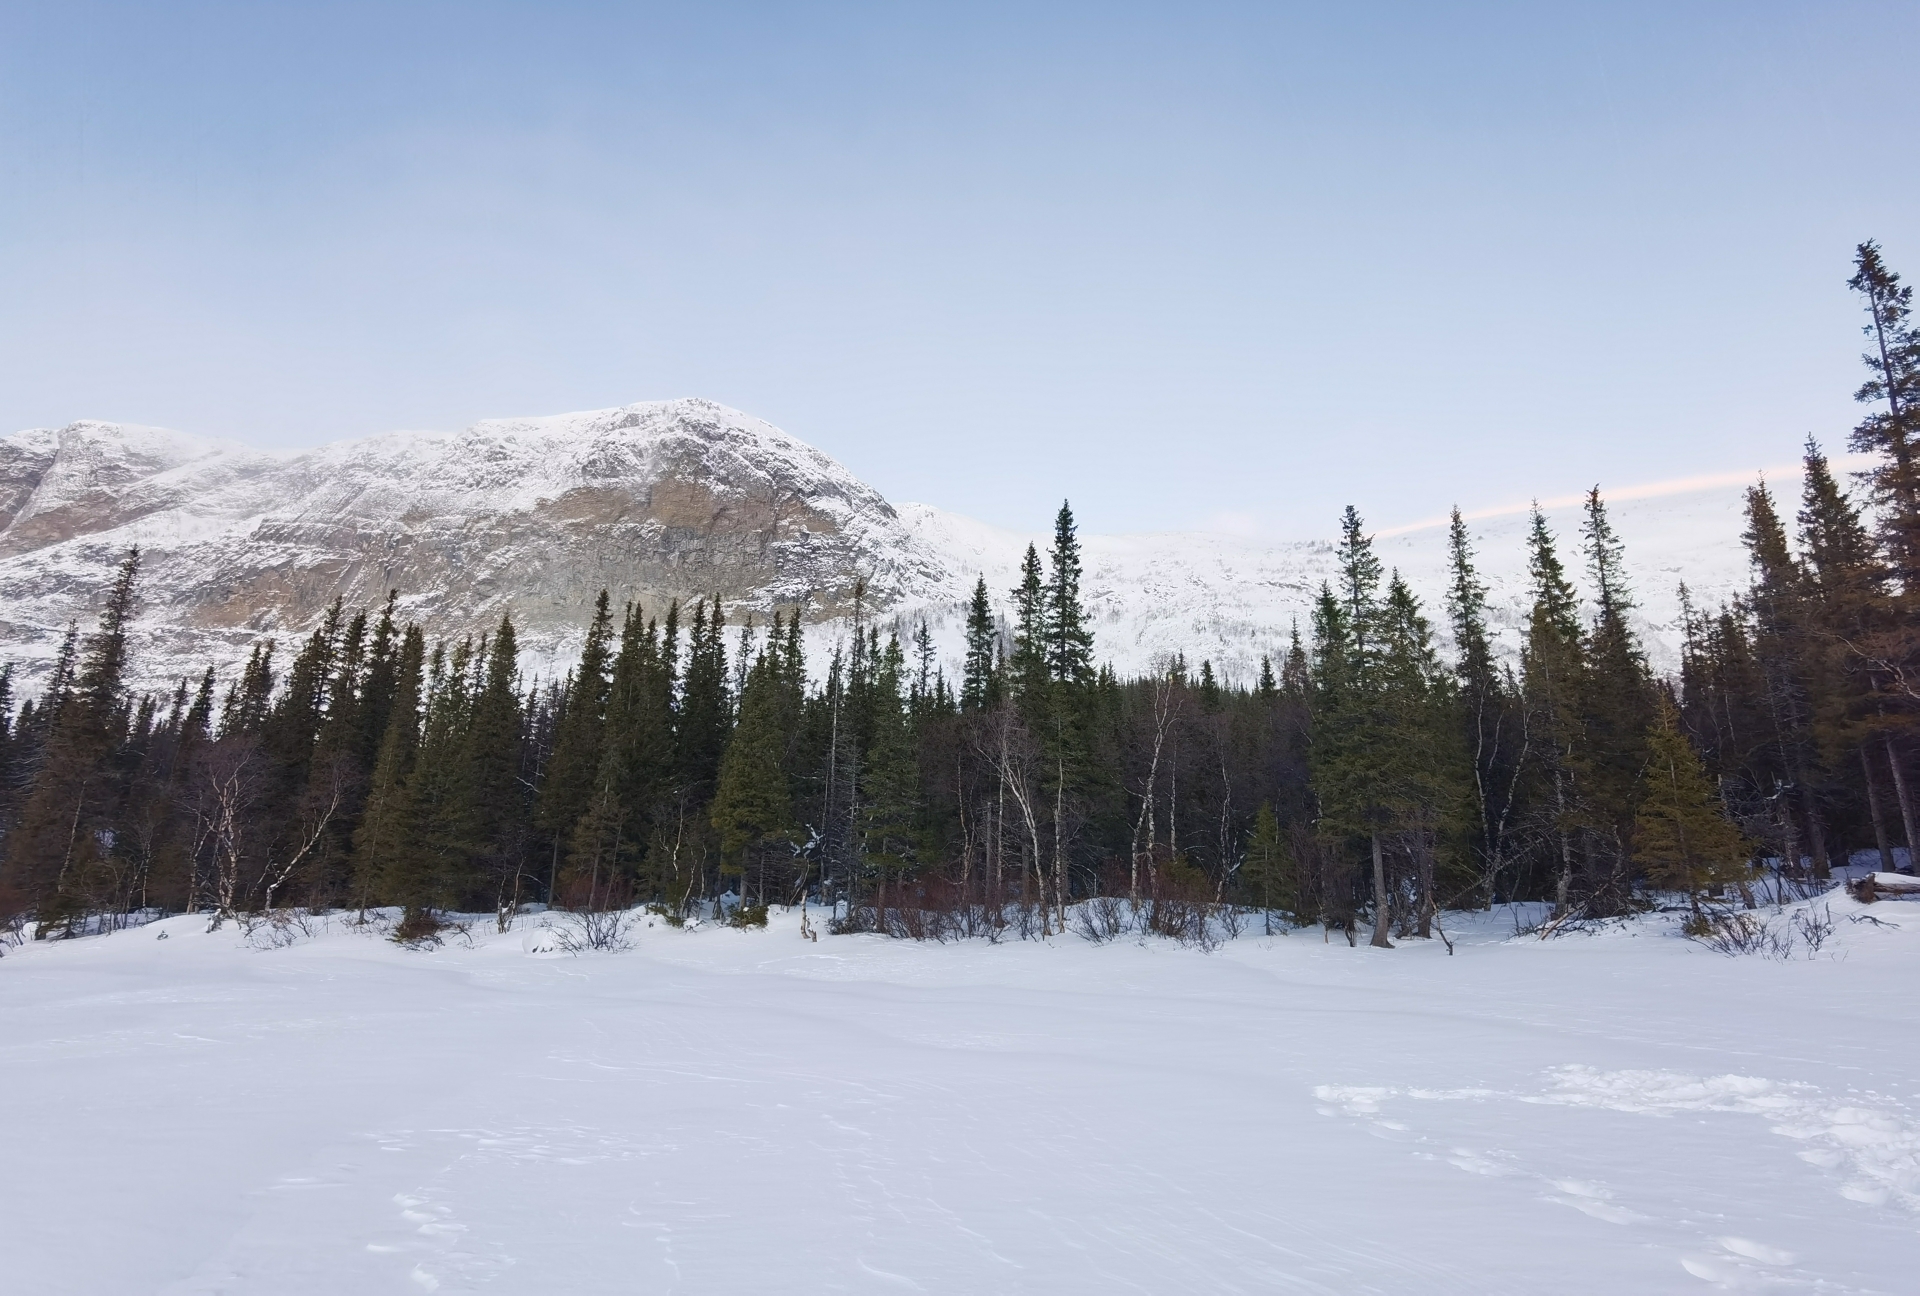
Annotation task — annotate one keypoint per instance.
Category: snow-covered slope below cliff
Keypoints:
(1232, 599)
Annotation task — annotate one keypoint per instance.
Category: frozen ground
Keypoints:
(721, 1111)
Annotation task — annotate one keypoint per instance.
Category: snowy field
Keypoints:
(722, 1111)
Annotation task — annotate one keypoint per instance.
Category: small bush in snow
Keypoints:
(279, 928)
(1734, 934)
(1813, 926)
(1103, 918)
(584, 930)
(418, 929)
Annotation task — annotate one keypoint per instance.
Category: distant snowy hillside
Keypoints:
(656, 501)
(1232, 600)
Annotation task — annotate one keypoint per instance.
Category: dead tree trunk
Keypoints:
(1381, 908)
(1873, 811)
(1900, 793)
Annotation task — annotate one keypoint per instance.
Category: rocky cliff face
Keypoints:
(652, 502)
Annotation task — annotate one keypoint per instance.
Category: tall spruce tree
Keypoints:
(752, 806)
(705, 708)
(497, 806)
(890, 812)
(1890, 431)
(1069, 650)
(63, 854)
(1494, 744)
(1353, 732)
(579, 735)
(1422, 759)
(1027, 664)
(1796, 692)
(978, 685)
(1553, 667)
(385, 837)
(1616, 711)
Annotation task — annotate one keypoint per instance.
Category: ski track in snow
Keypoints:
(1879, 1147)
(1870, 1143)
(719, 1111)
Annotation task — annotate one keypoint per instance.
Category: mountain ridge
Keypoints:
(658, 500)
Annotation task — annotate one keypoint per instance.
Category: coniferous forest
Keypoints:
(1395, 763)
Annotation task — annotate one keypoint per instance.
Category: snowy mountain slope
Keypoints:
(656, 501)
(534, 516)
(1231, 599)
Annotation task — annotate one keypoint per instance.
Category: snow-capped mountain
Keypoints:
(532, 516)
(656, 501)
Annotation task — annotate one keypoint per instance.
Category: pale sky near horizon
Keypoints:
(1191, 265)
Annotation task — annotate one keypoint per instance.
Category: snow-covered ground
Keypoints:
(734, 1111)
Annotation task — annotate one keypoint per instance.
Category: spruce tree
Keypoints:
(1866, 638)
(1270, 873)
(752, 805)
(1616, 709)
(1893, 360)
(925, 660)
(977, 681)
(249, 702)
(890, 814)
(1799, 693)
(1423, 758)
(1487, 708)
(377, 685)
(386, 836)
(1553, 666)
(1680, 836)
(64, 848)
(1069, 651)
(1211, 698)
(1027, 665)
(496, 811)
(705, 708)
(1352, 728)
(579, 734)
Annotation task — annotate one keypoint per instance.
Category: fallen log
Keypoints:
(1875, 885)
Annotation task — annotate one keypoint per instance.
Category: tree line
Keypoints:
(1382, 771)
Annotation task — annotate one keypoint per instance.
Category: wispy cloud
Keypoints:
(1647, 490)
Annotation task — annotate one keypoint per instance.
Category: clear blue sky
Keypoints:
(1181, 262)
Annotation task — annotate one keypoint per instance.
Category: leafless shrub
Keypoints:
(1734, 934)
(1102, 919)
(856, 918)
(1233, 920)
(1187, 922)
(582, 930)
(279, 928)
(1813, 926)
(917, 922)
